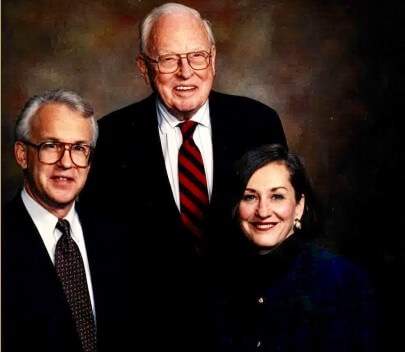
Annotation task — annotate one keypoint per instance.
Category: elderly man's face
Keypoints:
(186, 90)
(54, 186)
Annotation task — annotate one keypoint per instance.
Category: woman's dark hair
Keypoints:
(266, 154)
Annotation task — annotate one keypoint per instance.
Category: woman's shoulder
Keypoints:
(328, 265)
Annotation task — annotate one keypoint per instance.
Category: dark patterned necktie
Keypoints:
(70, 269)
(192, 182)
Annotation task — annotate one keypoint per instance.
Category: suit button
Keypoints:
(260, 300)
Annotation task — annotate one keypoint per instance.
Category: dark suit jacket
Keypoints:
(129, 176)
(297, 298)
(35, 314)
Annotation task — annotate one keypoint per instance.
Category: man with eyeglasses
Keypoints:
(170, 156)
(163, 166)
(57, 266)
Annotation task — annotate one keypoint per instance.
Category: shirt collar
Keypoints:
(167, 121)
(43, 219)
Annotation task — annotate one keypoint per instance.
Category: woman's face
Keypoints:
(268, 207)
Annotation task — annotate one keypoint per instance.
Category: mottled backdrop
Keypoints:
(327, 67)
(332, 69)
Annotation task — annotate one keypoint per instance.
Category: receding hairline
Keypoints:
(82, 113)
(148, 25)
(62, 97)
(37, 117)
(157, 25)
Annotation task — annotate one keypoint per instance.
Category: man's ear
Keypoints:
(143, 68)
(20, 154)
(213, 57)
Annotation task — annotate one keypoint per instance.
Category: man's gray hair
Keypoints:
(169, 8)
(58, 96)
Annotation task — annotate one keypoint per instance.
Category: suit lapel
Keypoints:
(36, 304)
(91, 237)
(32, 267)
(31, 246)
(220, 142)
(153, 163)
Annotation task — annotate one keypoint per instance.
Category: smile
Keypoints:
(263, 226)
(184, 88)
(62, 178)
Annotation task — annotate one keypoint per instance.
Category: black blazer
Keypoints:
(129, 177)
(35, 314)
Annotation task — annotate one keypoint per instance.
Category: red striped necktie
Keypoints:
(192, 182)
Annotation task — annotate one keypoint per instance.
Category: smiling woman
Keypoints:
(269, 206)
(273, 198)
(289, 294)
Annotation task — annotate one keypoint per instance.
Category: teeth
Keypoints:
(264, 226)
(184, 88)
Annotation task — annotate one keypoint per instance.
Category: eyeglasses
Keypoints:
(198, 60)
(51, 152)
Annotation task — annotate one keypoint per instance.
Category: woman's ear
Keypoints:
(299, 209)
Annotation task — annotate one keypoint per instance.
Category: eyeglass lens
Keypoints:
(197, 60)
(51, 153)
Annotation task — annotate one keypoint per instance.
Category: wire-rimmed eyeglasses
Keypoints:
(51, 152)
(169, 63)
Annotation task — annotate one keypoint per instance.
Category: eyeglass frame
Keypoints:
(67, 146)
(179, 56)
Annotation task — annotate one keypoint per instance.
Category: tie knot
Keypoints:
(63, 226)
(187, 129)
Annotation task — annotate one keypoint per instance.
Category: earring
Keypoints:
(297, 224)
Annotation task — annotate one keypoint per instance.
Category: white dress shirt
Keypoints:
(171, 140)
(46, 226)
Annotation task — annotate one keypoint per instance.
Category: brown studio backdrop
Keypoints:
(307, 59)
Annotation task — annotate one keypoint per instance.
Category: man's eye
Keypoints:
(168, 59)
(197, 55)
(50, 146)
(79, 148)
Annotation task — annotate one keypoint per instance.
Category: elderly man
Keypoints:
(56, 264)
(165, 161)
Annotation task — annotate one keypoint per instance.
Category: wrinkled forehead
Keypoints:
(178, 33)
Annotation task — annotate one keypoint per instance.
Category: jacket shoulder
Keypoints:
(14, 212)
(237, 103)
(334, 268)
(247, 117)
(127, 114)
